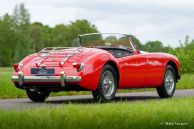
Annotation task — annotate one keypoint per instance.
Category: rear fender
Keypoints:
(92, 70)
(25, 62)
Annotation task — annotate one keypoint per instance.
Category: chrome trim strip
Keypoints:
(62, 79)
(87, 34)
(81, 67)
(46, 79)
(73, 79)
(20, 78)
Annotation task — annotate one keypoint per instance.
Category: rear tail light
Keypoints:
(78, 66)
(15, 66)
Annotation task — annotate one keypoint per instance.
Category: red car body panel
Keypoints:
(135, 71)
(139, 70)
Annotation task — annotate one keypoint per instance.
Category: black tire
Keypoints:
(37, 96)
(110, 87)
(169, 83)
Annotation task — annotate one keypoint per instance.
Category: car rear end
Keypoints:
(51, 68)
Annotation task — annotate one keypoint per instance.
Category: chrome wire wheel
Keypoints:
(167, 89)
(169, 81)
(108, 84)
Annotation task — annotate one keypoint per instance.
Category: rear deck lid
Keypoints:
(59, 56)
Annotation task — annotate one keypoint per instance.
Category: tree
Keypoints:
(111, 39)
(59, 35)
(185, 54)
(153, 46)
(19, 37)
(47, 36)
(37, 38)
(8, 37)
(21, 18)
(79, 27)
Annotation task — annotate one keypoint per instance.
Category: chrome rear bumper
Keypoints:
(21, 79)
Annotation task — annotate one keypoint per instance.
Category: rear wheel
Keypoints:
(107, 85)
(36, 95)
(169, 83)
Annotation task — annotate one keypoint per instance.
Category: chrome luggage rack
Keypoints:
(64, 52)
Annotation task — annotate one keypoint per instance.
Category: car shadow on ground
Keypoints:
(91, 101)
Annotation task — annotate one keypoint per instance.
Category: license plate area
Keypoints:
(42, 71)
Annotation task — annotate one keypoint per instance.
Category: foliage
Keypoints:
(21, 19)
(8, 37)
(185, 54)
(155, 46)
(19, 37)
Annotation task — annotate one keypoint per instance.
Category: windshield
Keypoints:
(104, 40)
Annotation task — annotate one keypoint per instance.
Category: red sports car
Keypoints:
(101, 63)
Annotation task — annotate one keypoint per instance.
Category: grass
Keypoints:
(186, 82)
(167, 113)
(8, 90)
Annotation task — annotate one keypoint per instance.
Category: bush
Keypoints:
(185, 54)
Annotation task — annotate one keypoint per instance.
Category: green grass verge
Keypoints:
(168, 113)
(8, 90)
(186, 81)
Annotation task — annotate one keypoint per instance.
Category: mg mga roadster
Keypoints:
(101, 63)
